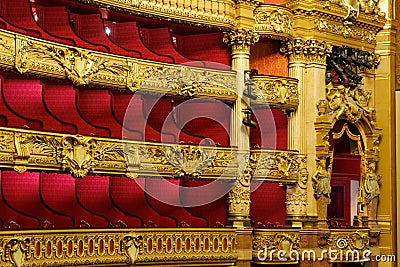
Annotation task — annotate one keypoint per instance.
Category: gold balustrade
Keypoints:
(117, 246)
(79, 155)
(277, 92)
(206, 13)
(274, 22)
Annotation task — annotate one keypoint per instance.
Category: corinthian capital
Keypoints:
(240, 40)
(310, 50)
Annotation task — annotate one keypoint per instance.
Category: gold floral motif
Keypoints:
(310, 50)
(273, 21)
(346, 30)
(268, 242)
(350, 240)
(277, 92)
(240, 40)
(117, 246)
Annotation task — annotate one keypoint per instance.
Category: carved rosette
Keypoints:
(296, 195)
(240, 40)
(310, 50)
(273, 21)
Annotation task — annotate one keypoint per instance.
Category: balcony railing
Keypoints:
(277, 92)
(275, 22)
(210, 13)
(83, 67)
(117, 246)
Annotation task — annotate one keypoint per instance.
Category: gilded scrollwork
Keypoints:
(280, 166)
(240, 40)
(109, 247)
(277, 92)
(310, 50)
(343, 240)
(273, 21)
(267, 243)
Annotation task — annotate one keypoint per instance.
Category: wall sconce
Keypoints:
(248, 91)
(247, 120)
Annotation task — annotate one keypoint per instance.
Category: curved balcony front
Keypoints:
(274, 22)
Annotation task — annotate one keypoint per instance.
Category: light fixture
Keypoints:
(247, 120)
(249, 84)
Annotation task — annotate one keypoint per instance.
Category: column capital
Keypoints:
(240, 40)
(310, 50)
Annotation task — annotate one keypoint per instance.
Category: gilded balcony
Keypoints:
(276, 245)
(100, 247)
(274, 22)
(46, 59)
(277, 92)
(208, 13)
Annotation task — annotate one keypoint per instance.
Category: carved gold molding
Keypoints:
(80, 155)
(117, 246)
(240, 40)
(309, 50)
(268, 242)
(278, 165)
(206, 13)
(277, 92)
(273, 22)
(85, 67)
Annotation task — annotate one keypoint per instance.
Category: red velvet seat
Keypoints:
(24, 97)
(9, 214)
(55, 19)
(93, 193)
(160, 41)
(10, 118)
(94, 105)
(160, 192)
(126, 35)
(19, 14)
(21, 191)
(91, 29)
(130, 197)
(58, 192)
(60, 102)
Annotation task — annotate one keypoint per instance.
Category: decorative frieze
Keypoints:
(118, 246)
(240, 40)
(310, 50)
(206, 13)
(273, 22)
(277, 92)
(85, 67)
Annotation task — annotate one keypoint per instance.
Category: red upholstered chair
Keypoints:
(58, 192)
(93, 193)
(158, 191)
(160, 41)
(21, 192)
(10, 118)
(10, 216)
(130, 197)
(24, 97)
(127, 35)
(91, 29)
(55, 20)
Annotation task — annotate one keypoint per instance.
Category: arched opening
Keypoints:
(347, 150)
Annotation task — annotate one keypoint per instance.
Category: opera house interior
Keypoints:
(199, 133)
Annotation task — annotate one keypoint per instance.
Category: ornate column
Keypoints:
(307, 63)
(240, 41)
